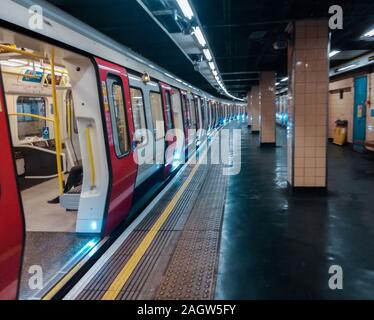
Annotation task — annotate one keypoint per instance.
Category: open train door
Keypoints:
(11, 215)
(118, 118)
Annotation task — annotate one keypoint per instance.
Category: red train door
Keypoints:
(169, 153)
(119, 125)
(11, 215)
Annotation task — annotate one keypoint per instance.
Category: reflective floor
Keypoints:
(279, 244)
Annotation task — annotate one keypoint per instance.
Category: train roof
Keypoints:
(64, 28)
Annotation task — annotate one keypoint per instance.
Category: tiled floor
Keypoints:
(278, 243)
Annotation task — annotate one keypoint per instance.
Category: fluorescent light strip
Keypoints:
(369, 33)
(186, 8)
(284, 79)
(346, 67)
(333, 53)
(207, 54)
(212, 66)
(199, 36)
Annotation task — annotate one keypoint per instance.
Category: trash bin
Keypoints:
(340, 132)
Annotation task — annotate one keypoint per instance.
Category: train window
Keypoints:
(186, 114)
(177, 109)
(157, 116)
(118, 115)
(168, 110)
(138, 114)
(192, 112)
(29, 126)
(71, 122)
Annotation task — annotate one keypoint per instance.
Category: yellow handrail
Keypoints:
(19, 51)
(39, 56)
(60, 172)
(90, 157)
(18, 74)
(68, 107)
(21, 114)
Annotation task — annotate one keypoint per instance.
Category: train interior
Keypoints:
(55, 128)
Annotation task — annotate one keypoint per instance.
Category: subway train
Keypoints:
(71, 103)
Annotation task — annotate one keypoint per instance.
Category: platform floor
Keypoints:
(279, 244)
(246, 236)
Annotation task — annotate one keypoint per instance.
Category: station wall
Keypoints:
(341, 105)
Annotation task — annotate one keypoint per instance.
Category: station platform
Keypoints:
(245, 236)
(171, 250)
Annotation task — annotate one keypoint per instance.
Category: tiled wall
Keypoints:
(255, 106)
(341, 106)
(267, 98)
(310, 95)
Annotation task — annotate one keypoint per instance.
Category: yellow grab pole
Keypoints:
(90, 157)
(60, 173)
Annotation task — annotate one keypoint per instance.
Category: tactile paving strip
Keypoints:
(191, 273)
(135, 285)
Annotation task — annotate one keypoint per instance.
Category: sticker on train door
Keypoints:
(105, 96)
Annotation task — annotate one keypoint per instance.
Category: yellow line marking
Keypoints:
(130, 266)
(51, 293)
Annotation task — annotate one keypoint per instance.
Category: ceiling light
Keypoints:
(215, 73)
(277, 83)
(369, 33)
(199, 36)
(346, 67)
(284, 79)
(10, 64)
(212, 66)
(207, 54)
(22, 62)
(333, 53)
(186, 8)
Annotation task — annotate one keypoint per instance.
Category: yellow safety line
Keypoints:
(62, 282)
(130, 266)
(90, 157)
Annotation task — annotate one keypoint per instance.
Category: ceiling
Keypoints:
(241, 33)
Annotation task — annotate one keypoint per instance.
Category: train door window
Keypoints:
(177, 109)
(157, 117)
(138, 114)
(197, 112)
(71, 120)
(29, 126)
(118, 115)
(186, 114)
(169, 120)
(192, 112)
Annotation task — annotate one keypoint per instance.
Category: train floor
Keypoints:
(55, 253)
(246, 236)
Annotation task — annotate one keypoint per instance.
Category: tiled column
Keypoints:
(267, 101)
(249, 110)
(255, 107)
(308, 104)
